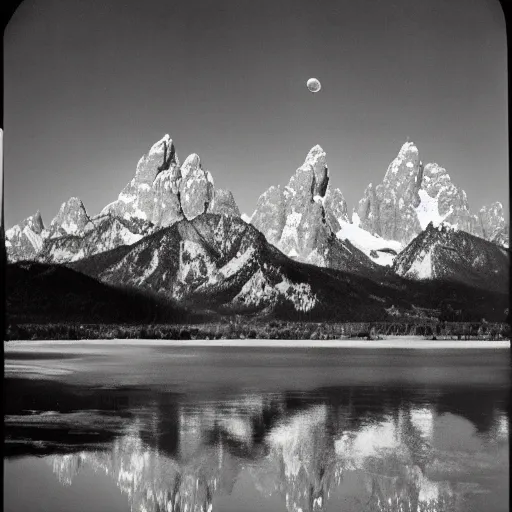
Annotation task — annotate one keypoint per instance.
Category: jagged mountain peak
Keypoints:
(491, 224)
(315, 155)
(387, 210)
(224, 203)
(200, 258)
(160, 157)
(163, 192)
(164, 149)
(405, 166)
(159, 145)
(312, 173)
(35, 222)
(442, 200)
(496, 209)
(433, 171)
(101, 233)
(303, 218)
(192, 162)
(411, 196)
(23, 241)
(160, 193)
(196, 188)
(408, 148)
(71, 219)
(444, 252)
(74, 201)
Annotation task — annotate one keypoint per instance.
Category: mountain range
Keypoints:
(172, 234)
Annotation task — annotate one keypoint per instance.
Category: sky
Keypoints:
(90, 85)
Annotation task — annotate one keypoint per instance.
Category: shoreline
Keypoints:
(392, 342)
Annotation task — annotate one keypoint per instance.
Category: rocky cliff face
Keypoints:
(302, 218)
(161, 193)
(335, 206)
(307, 219)
(490, 224)
(412, 195)
(442, 201)
(137, 199)
(270, 215)
(72, 219)
(388, 210)
(24, 241)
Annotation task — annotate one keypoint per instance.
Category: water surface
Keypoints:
(153, 428)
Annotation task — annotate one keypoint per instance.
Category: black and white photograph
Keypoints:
(256, 256)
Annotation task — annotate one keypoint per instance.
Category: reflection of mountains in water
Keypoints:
(180, 453)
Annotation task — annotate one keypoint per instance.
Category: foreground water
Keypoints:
(153, 428)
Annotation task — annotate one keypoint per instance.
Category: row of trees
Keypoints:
(259, 330)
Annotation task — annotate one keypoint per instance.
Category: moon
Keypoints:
(314, 85)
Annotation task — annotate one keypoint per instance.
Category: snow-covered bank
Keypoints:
(392, 342)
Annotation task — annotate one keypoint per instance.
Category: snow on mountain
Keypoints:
(296, 218)
(102, 233)
(72, 219)
(302, 218)
(23, 241)
(376, 248)
(490, 223)
(307, 219)
(194, 259)
(163, 191)
(387, 210)
(412, 195)
(422, 267)
(139, 196)
(428, 210)
(442, 252)
(220, 263)
(444, 202)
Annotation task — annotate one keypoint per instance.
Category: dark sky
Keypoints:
(91, 84)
